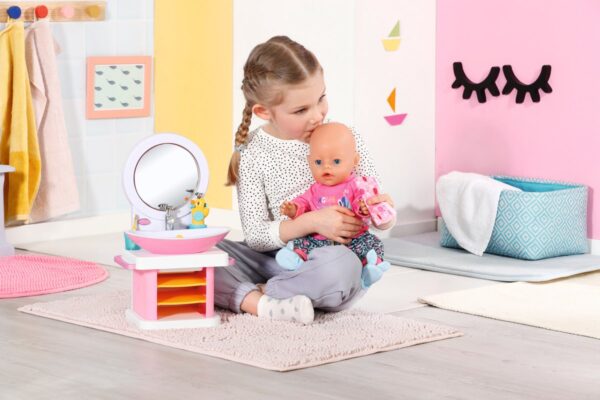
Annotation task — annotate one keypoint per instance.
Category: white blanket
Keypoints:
(469, 203)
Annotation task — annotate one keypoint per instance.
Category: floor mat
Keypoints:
(559, 306)
(424, 252)
(260, 342)
(33, 274)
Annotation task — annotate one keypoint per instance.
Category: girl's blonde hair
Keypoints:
(277, 62)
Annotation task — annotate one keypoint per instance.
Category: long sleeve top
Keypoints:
(318, 196)
(272, 171)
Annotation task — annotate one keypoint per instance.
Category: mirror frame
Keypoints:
(135, 155)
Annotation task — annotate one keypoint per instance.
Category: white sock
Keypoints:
(298, 308)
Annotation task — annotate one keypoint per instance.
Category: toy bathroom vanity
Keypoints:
(172, 267)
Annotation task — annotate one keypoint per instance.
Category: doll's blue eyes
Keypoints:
(337, 161)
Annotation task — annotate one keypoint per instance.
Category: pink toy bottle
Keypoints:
(381, 213)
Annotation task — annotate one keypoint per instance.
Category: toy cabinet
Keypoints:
(173, 291)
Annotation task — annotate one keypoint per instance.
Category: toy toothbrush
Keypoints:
(199, 212)
(380, 213)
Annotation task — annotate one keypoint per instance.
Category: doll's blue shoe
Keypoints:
(288, 259)
(372, 272)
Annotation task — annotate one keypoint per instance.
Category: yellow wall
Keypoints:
(193, 41)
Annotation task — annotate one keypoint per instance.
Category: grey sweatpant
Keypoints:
(330, 277)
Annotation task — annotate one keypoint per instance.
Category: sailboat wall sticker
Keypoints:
(394, 119)
(392, 42)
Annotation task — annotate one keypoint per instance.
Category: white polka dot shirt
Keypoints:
(272, 171)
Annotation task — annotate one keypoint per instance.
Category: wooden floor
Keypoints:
(47, 359)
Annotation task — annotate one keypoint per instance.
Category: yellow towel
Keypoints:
(19, 144)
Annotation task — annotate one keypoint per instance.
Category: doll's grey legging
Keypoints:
(330, 277)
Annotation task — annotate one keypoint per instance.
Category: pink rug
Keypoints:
(32, 274)
(260, 342)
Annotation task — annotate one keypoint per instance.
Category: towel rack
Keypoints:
(56, 11)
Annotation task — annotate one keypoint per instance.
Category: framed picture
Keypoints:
(118, 87)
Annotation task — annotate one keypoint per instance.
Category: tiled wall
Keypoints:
(100, 147)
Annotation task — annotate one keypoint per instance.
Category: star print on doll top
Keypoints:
(318, 196)
(272, 171)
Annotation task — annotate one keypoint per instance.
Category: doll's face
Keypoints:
(333, 154)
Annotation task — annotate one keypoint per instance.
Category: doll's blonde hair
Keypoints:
(277, 62)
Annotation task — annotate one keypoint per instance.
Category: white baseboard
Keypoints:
(109, 223)
(68, 228)
(96, 225)
(595, 246)
(118, 222)
(410, 228)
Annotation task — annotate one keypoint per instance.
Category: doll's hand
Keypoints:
(288, 209)
(364, 211)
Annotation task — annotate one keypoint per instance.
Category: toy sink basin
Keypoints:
(181, 241)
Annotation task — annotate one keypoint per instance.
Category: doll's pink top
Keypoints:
(319, 196)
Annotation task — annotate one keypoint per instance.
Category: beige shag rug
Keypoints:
(273, 345)
(560, 306)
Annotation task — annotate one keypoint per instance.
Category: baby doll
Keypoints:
(332, 160)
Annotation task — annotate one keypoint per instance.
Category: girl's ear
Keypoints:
(356, 159)
(261, 112)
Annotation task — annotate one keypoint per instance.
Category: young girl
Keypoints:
(283, 85)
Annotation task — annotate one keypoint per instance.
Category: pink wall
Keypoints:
(557, 138)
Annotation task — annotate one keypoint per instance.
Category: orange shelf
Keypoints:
(182, 311)
(176, 298)
(180, 280)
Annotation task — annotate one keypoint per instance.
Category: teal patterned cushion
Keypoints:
(547, 219)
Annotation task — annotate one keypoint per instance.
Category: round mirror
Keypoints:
(160, 170)
(165, 174)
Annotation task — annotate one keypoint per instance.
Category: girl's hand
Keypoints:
(288, 209)
(380, 198)
(336, 223)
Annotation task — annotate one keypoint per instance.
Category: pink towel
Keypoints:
(58, 193)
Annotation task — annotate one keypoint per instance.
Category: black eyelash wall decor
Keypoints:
(488, 83)
(541, 83)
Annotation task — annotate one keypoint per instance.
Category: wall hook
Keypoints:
(93, 11)
(41, 11)
(14, 12)
(67, 12)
